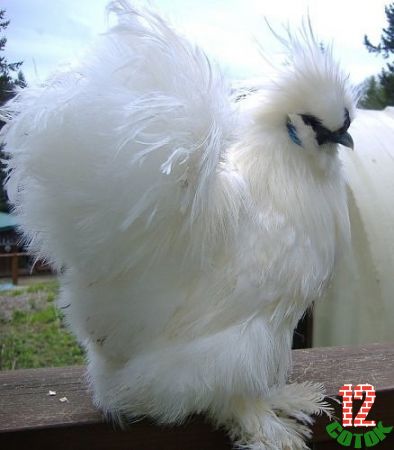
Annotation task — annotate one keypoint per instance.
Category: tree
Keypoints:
(386, 44)
(380, 91)
(373, 96)
(11, 77)
(8, 80)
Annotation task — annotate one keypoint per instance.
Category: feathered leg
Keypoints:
(261, 414)
(278, 422)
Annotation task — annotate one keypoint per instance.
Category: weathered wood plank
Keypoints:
(336, 366)
(30, 418)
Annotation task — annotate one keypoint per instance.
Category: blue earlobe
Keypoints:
(293, 133)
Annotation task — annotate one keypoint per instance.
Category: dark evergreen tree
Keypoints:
(11, 77)
(373, 96)
(386, 44)
(382, 90)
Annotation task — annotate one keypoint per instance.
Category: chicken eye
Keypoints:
(310, 120)
(347, 121)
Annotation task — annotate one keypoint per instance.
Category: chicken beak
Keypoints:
(345, 139)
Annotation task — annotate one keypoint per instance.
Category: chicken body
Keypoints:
(191, 231)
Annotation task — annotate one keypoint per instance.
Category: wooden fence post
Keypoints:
(14, 266)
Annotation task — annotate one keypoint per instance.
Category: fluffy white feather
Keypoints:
(190, 231)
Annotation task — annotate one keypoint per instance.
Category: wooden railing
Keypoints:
(31, 419)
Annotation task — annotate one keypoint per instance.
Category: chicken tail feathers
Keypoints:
(128, 145)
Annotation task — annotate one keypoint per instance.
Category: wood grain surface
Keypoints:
(31, 418)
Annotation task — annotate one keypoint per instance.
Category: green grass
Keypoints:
(37, 337)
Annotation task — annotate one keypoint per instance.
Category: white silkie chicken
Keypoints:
(190, 236)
